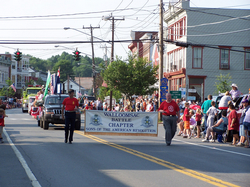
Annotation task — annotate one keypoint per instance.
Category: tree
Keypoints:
(132, 78)
(7, 91)
(103, 92)
(223, 83)
(65, 69)
(39, 81)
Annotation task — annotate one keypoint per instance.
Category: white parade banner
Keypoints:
(121, 123)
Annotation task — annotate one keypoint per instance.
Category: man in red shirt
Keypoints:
(170, 117)
(70, 104)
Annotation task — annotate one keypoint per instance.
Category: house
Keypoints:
(219, 44)
(34, 75)
(75, 86)
(211, 41)
(145, 47)
(86, 82)
(5, 70)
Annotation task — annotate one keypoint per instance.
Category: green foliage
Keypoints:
(103, 92)
(7, 91)
(39, 81)
(31, 82)
(132, 78)
(223, 83)
(66, 68)
(38, 64)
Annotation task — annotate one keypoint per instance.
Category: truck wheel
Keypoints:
(41, 122)
(78, 125)
(45, 125)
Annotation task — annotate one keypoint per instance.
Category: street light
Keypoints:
(67, 28)
(93, 60)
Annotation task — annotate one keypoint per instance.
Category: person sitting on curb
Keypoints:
(219, 127)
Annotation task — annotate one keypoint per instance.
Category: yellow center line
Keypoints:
(183, 170)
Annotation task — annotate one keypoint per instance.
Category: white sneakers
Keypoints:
(206, 140)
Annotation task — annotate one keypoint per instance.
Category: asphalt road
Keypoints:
(114, 160)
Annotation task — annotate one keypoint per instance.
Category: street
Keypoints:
(115, 160)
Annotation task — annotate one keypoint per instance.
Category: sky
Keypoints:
(45, 21)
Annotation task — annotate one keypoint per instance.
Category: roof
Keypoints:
(74, 82)
(86, 82)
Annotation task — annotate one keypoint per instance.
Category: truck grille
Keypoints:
(57, 111)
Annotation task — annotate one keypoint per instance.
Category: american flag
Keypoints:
(79, 94)
(13, 86)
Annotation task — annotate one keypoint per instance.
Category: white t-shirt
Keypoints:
(148, 107)
(212, 111)
(40, 97)
(247, 116)
(224, 101)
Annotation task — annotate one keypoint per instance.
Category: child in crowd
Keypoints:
(192, 122)
(181, 112)
(186, 119)
(211, 113)
(2, 116)
(198, 122)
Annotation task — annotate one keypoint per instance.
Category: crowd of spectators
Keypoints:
(11, 102)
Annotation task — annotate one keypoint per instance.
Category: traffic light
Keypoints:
(77, 55)
(18, 56)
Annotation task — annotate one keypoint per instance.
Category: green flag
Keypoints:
(47, 85)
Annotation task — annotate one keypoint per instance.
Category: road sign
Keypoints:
(163, 89)
(162, 99)
(176, 94)
(192, 90)
(164, 82)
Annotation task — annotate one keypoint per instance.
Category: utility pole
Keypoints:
(106, 56)
(112, 18)
(79, 86)
(161, 51)
(68, 83)
(93, 57)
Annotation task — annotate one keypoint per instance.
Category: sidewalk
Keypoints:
(12, 173)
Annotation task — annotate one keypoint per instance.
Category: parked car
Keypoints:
(52, 114)
(240, 107)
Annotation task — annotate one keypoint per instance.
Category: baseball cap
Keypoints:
(71, 90)
(245, 101)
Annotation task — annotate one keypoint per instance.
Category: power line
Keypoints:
(74, 14)
(204, 12)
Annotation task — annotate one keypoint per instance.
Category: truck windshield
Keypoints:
(33, 91)
(54, 100)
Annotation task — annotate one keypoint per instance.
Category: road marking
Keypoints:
(26, 119)
(31, 176)
(183, 170)
(214, 148)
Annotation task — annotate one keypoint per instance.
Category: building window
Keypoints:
(197, 57)
(247, 58)
(180, 58)
(225, 58)
(177, 30)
